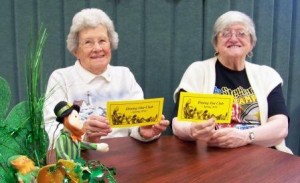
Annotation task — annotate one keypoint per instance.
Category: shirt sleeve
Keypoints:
(276, 102)
(182, 129)
(135, 89)
(88, 146)
(61, 147)
(137, 93)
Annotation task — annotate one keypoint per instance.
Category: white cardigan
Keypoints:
(200, 77)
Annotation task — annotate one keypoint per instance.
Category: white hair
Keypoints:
(230, 18)
(91, 18)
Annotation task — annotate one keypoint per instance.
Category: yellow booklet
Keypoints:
(134, 112)
(197, 107)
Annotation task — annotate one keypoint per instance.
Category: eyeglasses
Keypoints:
(237, 33)
(90, 43)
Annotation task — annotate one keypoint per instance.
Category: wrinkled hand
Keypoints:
(95, 127)
(153, 130)
(229, 138)
(203, 131)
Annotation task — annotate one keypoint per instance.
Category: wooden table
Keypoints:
(169, 159)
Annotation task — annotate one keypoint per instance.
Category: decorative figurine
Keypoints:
(69, 143)
(26, 169)
(70, 167)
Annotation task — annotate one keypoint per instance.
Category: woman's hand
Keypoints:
(203, 131)
(229, 138)
(154, 130)
(95, 127)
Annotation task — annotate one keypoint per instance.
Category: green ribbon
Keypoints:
(62, 110)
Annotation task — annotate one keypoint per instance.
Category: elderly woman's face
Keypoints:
(94, 51)
(234, 42)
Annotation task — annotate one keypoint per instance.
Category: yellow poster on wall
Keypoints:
(197, 107)
(134, 112)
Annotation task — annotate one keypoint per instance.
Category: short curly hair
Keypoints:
(91, 18)
(230, 18)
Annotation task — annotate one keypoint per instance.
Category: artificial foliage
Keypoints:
(76, 171)
(38, 139)
(22, 130)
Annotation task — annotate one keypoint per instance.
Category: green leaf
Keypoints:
(18, 117)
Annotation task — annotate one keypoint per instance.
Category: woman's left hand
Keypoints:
(229, 138)
(153, 130)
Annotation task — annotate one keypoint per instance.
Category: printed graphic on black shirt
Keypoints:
(245, 111)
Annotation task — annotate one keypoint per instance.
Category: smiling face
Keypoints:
(94, 50)
(233, 43)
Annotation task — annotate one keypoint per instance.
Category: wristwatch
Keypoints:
(251, 136)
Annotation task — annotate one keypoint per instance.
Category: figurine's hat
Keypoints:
(63, 109)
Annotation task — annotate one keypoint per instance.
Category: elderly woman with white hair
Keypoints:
(92, 81)
(259, 112)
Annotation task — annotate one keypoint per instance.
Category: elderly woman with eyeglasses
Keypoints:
(92, 81)
(259, 112)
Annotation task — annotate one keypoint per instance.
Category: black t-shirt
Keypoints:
(245, 108)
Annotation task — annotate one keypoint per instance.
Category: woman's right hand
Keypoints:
(95, 127)
(203, 131)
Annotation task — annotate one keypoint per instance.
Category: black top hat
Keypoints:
(63, 109)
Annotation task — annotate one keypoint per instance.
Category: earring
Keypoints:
(250, 54)
(216, 53)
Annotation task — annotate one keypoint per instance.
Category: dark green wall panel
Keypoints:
(131, 28)
(263, 49)
(159, 39)
(68, 9)
(8, 57)
(293, 99)
(188, 36)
